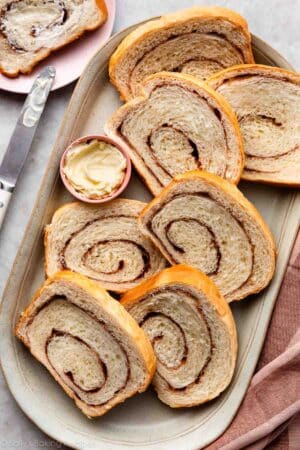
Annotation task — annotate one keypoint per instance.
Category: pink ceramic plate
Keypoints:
(69, 61)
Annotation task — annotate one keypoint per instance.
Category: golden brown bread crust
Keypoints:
(167, 21)
(193, 83)
(191, 277)
(217, 79)
(112, 307)
(232, 191)
(43, 55)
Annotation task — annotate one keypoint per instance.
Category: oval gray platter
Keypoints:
(142, 422)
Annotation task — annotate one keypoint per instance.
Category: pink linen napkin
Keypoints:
(269, 415)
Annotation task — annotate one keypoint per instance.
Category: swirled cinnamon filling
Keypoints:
(70, 353)
(197, 41)
(196, 230)
(176, 130)
(104, 243)
(29, 25)
(205, 222)
(121, 260)
(186, 336)
(193, 227)
(196, 53)
(268, 112)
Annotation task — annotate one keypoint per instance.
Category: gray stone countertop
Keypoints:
(275, 21)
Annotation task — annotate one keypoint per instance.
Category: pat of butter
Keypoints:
(95, 169)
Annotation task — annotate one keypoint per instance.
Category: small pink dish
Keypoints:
(107, 197)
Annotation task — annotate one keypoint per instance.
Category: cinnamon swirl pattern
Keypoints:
(192, 332)
(31, 29)
(198, 41)
(206, 222)
(179, 124)
(266, 101)
(88, 342)
(102, 242)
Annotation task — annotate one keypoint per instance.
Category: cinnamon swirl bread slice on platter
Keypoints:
(192, 331)
(198, 41)
(179, 124)
(88, 342)
(31, 30)
(102, 242)
(204, 221)
(266, 101)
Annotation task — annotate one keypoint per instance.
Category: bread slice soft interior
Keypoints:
(266, 101)
(197, 41)
(204, 221)
(88, 342)
(102, 242)
(192, 331)
(178, 124)
(32, 29)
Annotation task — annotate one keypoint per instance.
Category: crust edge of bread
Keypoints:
(189, 276)
(113, 307)
(182, 79)
(234, 193)
(167, 21)
(48, 51)
(218, 78)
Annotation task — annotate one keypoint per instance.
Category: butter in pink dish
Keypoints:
(95, 169)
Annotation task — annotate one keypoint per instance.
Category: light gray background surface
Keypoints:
(275, 21)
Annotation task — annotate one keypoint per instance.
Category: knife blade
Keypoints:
(22, 137)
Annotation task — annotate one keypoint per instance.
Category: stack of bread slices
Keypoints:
(198, 116)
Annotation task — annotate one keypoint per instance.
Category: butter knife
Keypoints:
(22, 137)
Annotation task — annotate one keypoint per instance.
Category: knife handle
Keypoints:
(5, 197)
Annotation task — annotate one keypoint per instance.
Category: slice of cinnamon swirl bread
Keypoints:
(179, 124)
(266, 101)
(102, 242)
(192, 332)
(206, 222)
(89, 343)
(198, 41)
(31, 29)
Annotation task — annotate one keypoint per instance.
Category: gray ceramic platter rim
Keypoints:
(141, 422)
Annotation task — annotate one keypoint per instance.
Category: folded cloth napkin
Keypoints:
(269, 415)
